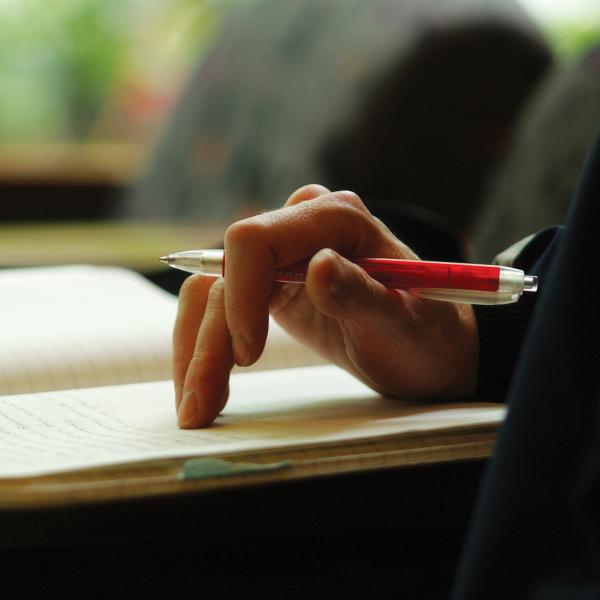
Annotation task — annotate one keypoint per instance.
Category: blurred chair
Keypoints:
(407, 102)
(532, 187)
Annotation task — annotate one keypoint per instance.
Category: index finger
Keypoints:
(256, 247)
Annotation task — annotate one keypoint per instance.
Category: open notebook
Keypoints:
(87, 409)
(84, 326)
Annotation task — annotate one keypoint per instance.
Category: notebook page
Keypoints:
(57, 431)
(81, 326)
(84, 326)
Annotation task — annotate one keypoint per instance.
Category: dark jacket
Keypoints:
(536, 529)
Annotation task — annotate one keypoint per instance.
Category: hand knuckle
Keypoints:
(305, 193)
(349, 198)
(181, 354)
(244, 232)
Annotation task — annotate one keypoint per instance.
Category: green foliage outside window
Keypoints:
(62, 60)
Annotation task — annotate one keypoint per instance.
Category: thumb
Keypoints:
(341, 289)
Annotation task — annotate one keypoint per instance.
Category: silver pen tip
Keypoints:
(164, 259)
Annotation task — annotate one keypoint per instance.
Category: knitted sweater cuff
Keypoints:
(502, 328)
(501, 333)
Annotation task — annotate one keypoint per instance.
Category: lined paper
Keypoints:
(79, 326)
(84, 326)
(305, 407)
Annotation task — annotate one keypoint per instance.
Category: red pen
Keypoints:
(453, 282)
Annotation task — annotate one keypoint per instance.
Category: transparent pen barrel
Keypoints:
(207, 262)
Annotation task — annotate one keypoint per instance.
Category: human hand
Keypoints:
(398, 344)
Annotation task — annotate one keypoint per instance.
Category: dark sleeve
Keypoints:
(502, 328)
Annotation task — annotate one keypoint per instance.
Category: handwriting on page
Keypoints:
(269, 409)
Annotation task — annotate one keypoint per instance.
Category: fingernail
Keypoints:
(187, 409)
(241, 354)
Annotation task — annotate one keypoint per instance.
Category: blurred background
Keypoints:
(91, 71)
(89, 90)
(107, 71)
(85, 86)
